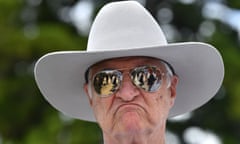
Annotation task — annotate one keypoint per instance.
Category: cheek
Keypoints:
(161, 105)
(101, 111)
(97, 107)
(163, 97)
(159, 98)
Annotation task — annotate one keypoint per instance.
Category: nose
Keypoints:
(128, 91)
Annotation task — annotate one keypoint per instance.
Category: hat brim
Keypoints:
(60, 75)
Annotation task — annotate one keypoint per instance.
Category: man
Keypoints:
(130, 80)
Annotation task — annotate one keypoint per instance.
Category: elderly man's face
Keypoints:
(131, 109)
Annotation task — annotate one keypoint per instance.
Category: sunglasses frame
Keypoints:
(120, 74)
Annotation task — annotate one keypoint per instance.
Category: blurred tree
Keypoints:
(32, 28)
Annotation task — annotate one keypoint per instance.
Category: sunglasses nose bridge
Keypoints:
(126, 79)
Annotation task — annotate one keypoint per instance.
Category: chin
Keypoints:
(131, 122)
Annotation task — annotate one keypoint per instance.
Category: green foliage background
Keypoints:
(29, 31)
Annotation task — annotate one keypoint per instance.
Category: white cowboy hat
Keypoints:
(128, 29)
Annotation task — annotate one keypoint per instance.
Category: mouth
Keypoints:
(129, 107)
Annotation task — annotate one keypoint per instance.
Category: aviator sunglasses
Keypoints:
(147, 78)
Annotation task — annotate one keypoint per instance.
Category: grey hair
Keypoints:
(169, 73)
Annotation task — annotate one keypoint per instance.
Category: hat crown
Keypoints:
(124, 25)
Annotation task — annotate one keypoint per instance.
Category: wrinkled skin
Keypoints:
(132, 115)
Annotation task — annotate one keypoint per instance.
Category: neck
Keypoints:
(154, 137)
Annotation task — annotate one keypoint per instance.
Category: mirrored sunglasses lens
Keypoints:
(107, 82)
(147, 78)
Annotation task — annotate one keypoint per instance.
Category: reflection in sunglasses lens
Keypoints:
(107, 82)
(147, 78)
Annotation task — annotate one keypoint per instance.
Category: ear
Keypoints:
(86, 89)
(173, 89)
